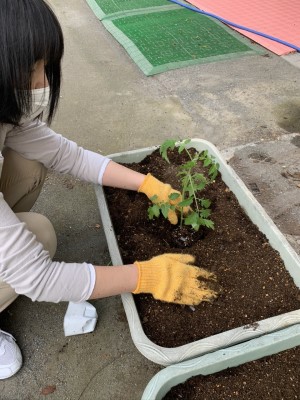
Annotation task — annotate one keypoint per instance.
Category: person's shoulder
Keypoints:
(4, 128)
(27, 126)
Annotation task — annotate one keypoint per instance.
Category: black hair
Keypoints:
(29, 32)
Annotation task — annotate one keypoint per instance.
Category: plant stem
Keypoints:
(194, 194)
(191, 180)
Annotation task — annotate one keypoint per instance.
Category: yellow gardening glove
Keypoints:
(153, 187)
(169, 278)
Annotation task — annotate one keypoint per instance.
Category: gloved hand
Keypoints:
(153, 187)
(169, 278)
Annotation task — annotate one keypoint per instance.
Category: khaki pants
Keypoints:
(21, 183)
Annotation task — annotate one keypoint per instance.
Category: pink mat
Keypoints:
(277, 18)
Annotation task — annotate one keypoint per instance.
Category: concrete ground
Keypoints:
(108, 106)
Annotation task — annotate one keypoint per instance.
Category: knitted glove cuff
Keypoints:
(149, 277)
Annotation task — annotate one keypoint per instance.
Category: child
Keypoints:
(31, 48)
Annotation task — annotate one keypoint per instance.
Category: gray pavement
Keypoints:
(249, 108)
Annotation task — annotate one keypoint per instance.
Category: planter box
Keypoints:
(220, 360)
(167, 356)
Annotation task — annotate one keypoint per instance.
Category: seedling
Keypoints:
(192, 183)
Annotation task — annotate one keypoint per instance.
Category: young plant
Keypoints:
(192, 183)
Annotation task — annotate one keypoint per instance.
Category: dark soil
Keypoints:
(255, 284)
(274, 377)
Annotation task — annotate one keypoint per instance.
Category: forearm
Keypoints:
(116, 175)
(36, 141)
(111, 281)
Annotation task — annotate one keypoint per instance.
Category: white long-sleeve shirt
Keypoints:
(24, 264)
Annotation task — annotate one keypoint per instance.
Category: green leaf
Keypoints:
(156, 210)
(185, 181)
(192, 217)
(150, 214)
(207, 162)
(208, 223)
(168, 144)
(181, 148)
(200, 186)
(205, 213)
(199, 177)
(182, 145)
(213, 171)
(203, 155)
(174, 196)
(165, 208)
(191, 164)
(190, 190)
(185, 203)
(153, 211)
(205, 203)
(196, 227)
(154, 198)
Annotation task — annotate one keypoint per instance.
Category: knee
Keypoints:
(7, 295)
(42, 228)
(48, 236)
(18, 168)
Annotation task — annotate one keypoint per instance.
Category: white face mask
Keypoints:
(40, 101)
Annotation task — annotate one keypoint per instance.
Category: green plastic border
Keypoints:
(137, 11)
(100, 14)
(96, 9)
(148, 68)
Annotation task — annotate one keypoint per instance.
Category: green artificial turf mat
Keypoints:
(103, 8)
(159, 41)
